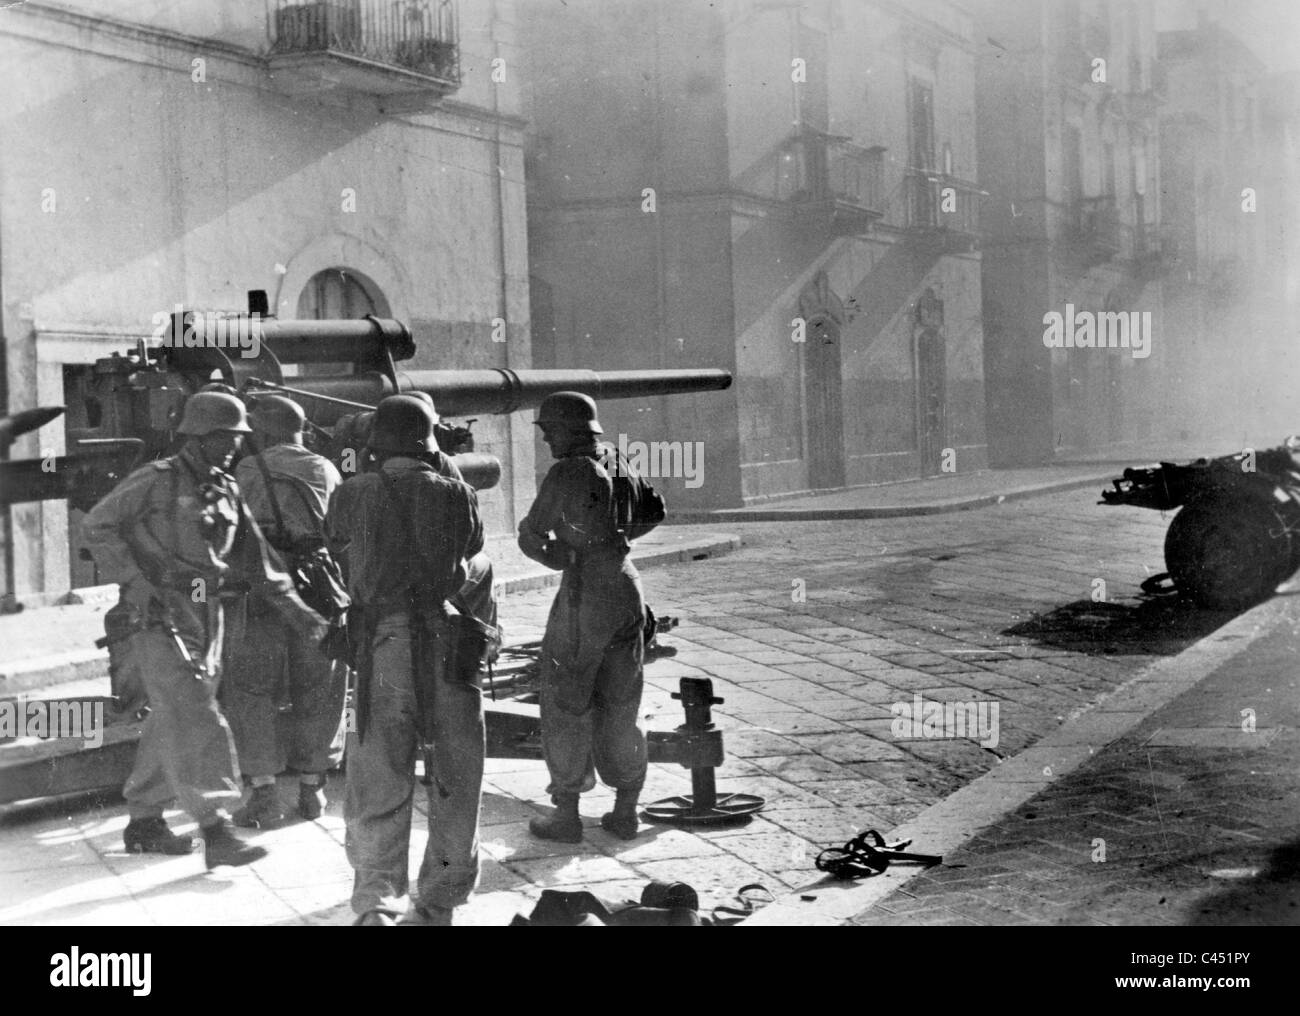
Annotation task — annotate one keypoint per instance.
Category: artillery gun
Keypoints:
(125, 410)
(1237, 535)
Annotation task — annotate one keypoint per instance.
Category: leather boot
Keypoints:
(151, 836)
(622, 820)
(220, 846)
(564, 826)
(262, 810)
(311, 798)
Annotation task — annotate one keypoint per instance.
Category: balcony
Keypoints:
(375, 47)
(832, 183)
(1093, 229)
(943, 208)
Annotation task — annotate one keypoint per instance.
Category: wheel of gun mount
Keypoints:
(681, 810)
(1228, 551)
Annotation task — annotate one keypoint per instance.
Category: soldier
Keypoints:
(283, 697)
(477, 597)
(592, 652)
(174, 534)
(404, 533)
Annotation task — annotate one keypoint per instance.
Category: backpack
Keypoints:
(638, 507)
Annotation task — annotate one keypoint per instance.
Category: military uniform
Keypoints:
(591, 679)
(404, 534)
(173, 534)
(284, 698)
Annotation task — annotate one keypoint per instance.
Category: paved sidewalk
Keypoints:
(811, 634)
(1189, 816)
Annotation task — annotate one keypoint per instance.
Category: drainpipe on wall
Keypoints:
(661, 270)
(503, 293)
(8, 603)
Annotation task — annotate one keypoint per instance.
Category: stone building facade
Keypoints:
(347, 157)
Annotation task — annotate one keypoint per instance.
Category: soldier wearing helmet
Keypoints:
(178, 538)
(592, 651)
(407, 534)
(284, 698)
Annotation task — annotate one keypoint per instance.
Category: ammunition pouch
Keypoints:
(121, 621)
(470, 644)
(319, 582)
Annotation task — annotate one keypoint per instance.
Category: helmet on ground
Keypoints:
(403, 425)
(276, 414)
(206, 412)
(571, 409)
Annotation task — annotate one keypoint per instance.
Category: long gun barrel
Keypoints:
(136, 399)
(496, 391)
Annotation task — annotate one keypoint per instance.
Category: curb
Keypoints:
(724, 515)
(689, 550)
(947, 825)
(38, 672)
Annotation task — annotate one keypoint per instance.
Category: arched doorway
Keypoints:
(336, 294)
(823, 313)
(340, 293)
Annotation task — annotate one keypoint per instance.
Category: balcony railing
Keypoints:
(813, 166)
(419, 36)
(940, 203)
(827, 181)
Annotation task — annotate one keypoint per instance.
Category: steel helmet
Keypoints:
(572, 409)
(403, 425)
(427, 399)
(276, 414)
(206, 412)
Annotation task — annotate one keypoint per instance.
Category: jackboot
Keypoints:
(151, 836)
(311, 798)
(622, 821)
(564, 826)
(262, 810)
(221, 846)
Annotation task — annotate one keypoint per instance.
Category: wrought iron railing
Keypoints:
(936, 201)
(418, 35)
(812, 166)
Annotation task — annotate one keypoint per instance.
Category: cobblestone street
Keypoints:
(810, 632)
